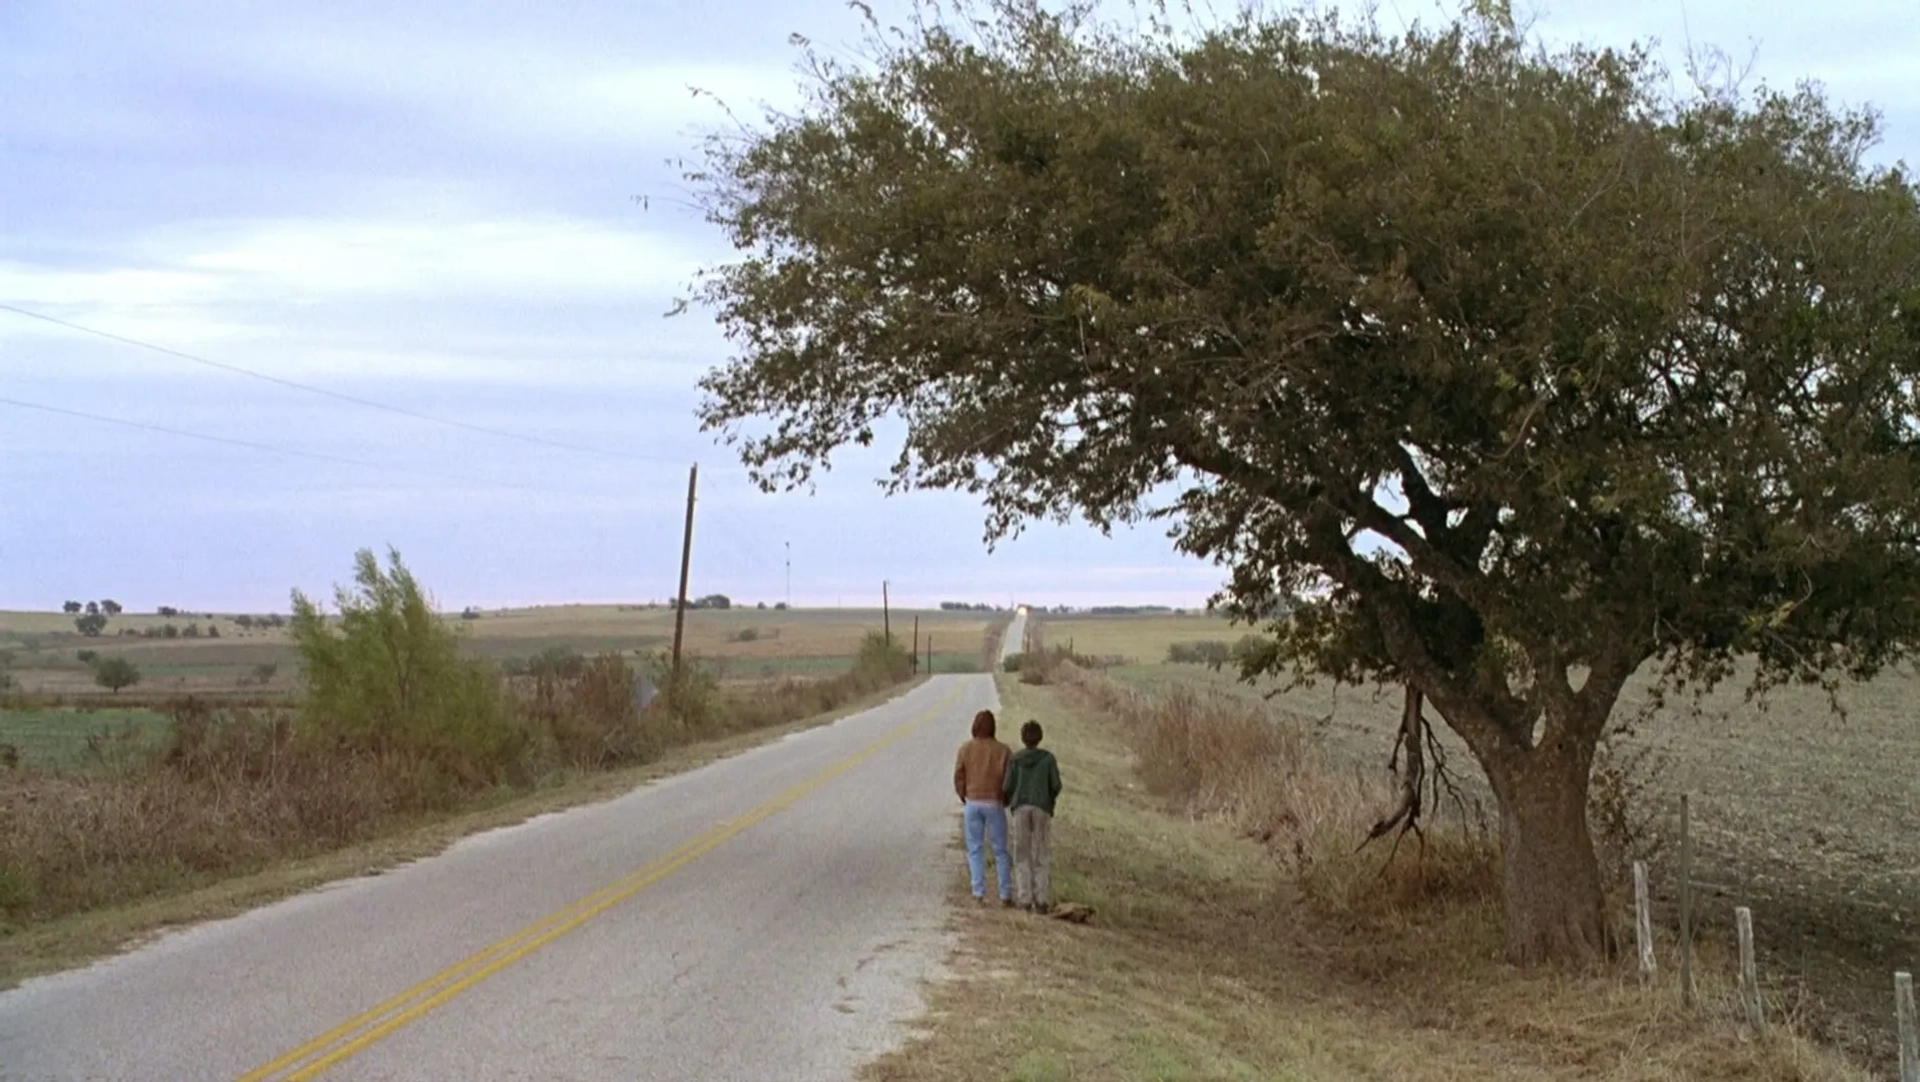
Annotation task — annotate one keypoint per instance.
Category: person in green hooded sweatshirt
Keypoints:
(1032, 787)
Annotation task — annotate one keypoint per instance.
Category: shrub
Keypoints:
(114, 673)
(746, 634)
(265, 671)
(882, 659)
(388, 674)
(1206, 652)
(86, 657)
(556, 663)
(591, 713)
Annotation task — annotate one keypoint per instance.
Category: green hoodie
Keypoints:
(1033, 777)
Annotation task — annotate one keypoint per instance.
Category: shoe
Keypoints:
(1007, 902)
(979, 899)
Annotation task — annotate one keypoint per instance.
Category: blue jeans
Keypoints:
(991, 820)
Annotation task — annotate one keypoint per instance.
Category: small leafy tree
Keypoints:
(71, 608)
(93, 608)
(114, 673)
(111, 608)
(1520, 370)
(91, 625)
(388, 673)
(169, 631)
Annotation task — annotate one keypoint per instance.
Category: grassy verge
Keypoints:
(1212, 955)
(39, 947)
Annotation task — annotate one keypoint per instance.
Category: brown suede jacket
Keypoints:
(980, 769)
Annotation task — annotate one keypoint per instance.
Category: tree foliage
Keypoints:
(387, 673)
(114, 673)
(1515, 368)
(91, 625)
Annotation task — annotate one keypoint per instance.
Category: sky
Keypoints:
(433, 206)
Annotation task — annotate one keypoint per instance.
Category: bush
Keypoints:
(745, 634)
(882, 660)
(388, 674)
(591, 713)
(114, 673)
(86, 657)
(556, 663)
(1206, 652)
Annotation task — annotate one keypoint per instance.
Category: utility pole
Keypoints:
(686, 557)
(916, 644)
(789, 545)
(886, 617)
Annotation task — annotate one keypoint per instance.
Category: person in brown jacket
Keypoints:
(978, 774)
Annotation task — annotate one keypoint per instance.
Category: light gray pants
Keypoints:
(1032, 856)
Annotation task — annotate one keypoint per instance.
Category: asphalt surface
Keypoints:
(767, 917)
(1015, 640)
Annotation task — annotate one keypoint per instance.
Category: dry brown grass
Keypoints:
(175, 895)
(231, 791)
(1212, 957)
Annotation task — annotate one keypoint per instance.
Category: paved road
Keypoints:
(1015, 640)
(766, 917)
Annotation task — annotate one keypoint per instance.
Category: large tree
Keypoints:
(1522, 369)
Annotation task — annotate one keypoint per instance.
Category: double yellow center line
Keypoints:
(361, 1032)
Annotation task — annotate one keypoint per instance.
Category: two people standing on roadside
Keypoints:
(991, 781)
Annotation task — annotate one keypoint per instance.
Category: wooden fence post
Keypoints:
(1749, 972)
(1643, 922)
(1909, 1027)
(1686, 906)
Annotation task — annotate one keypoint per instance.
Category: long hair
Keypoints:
(983, 725)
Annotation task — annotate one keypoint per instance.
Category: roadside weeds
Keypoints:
(1214, 954)
(49, 946)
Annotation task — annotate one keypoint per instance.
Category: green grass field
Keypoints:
(57, 739)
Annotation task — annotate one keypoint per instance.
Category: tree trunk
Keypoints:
(1554, 907)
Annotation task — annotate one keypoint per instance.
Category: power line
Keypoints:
(271, 449)
(337, 395)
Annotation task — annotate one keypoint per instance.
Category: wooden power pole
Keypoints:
(886, 618)
(916, 644)
(686, 557)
